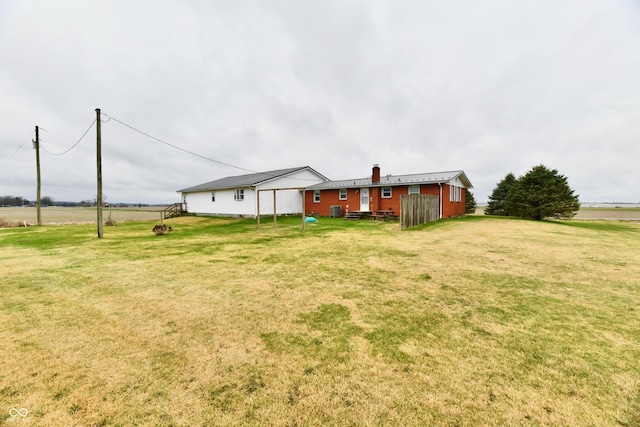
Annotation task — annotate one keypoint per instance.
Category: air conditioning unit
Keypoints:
(335, 211)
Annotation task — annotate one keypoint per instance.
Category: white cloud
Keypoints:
(418, 86)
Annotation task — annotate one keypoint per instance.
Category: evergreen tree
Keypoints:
(469, 203)
(498, 199)
(542, 193)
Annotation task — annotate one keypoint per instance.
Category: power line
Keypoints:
(74, 145)
(190, 152)
(17, 149)
(178, 148)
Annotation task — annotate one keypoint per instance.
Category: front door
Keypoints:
(364, 199)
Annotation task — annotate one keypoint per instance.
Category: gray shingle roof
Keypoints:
(243, 181)
(395, 180)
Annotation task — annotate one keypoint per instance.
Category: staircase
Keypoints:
(174, 210)
(357, 214)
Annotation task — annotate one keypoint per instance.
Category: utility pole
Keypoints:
(99, 165)
(36, 146)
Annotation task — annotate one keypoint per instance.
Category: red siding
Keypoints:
(452, 209)
(331, 197)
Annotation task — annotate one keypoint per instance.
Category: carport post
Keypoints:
(274, 209)
(258, 208)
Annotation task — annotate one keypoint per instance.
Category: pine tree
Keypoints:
(542, 193)
(498, 198)
(469, 203)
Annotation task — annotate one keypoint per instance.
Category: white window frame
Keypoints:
(342, 194)
(238, 195)
(316, 196)
(455, 194)
(388, 196)
(414, 189)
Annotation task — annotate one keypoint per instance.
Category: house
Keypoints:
(380, 193)
(244, 195)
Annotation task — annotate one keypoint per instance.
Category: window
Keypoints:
(239, 195)
(316, 196)
(386, 192)
(213, 196)
(455, 194)
(414, 189)
(343, 194)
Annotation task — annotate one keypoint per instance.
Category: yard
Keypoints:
(475, 321)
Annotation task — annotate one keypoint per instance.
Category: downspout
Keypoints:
(256, 202)
(440, 202)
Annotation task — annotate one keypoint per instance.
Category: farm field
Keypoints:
(631, 214)
(75, 215)
(474, 321)
(609, 213)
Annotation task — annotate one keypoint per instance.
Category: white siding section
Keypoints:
(287, 201)
(225, 205)
(301, 178)
(457, 182)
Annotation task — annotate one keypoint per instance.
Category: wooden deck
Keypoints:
(357, 214)
(382, 215)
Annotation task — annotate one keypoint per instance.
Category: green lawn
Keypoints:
(476, 321)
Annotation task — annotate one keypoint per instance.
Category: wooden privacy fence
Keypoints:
(416, 209)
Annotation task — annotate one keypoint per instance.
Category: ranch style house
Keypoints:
(382, 193)
(244, 195)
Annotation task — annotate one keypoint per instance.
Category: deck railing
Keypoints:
(175, 209)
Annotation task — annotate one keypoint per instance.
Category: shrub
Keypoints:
(162, 229)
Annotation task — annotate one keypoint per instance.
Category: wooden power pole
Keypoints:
(36, 145)
(99, 166)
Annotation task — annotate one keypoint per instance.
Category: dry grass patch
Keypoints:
(469, 322)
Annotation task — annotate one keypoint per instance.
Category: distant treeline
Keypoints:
(48, 201)
(13, 201)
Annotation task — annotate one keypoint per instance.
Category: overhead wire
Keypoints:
(188, 151)
(74, 145)
(176, 147)
(17, 149)
(109, 118)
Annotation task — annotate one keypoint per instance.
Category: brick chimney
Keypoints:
(375, 178)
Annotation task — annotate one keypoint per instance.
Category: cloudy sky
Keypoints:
(488, 87)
